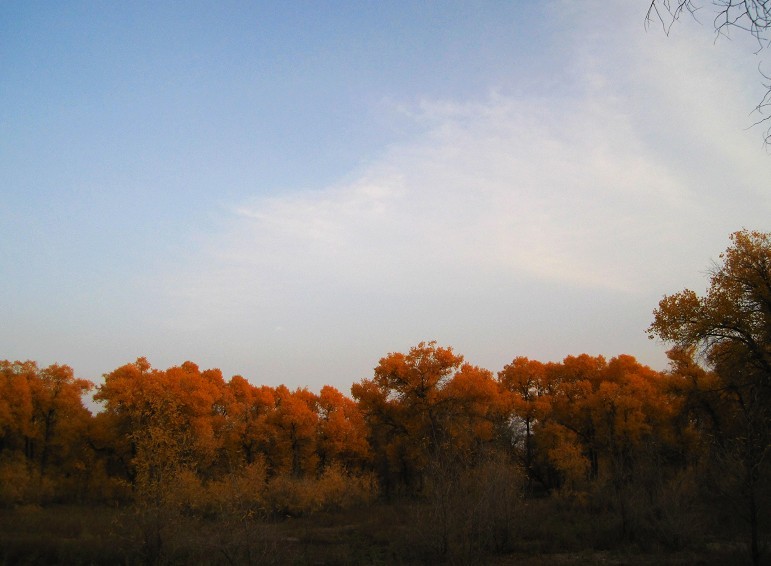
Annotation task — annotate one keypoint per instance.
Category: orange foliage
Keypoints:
(185, 431)
(42, 426)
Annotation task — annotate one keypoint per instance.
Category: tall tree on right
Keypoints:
(730, 328)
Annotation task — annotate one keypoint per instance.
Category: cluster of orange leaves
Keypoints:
(563, 424)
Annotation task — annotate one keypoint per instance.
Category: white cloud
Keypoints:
(611, 191)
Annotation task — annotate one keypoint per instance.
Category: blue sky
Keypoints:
(291, 190)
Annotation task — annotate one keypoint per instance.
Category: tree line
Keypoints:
(586, 430)
(564, 424)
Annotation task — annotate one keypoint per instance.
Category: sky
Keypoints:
(289, 191)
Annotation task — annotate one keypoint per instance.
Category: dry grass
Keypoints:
(380, 534)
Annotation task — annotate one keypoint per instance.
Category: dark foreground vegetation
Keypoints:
(542, 532)
(432, 460)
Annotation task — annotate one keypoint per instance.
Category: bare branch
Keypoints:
(668, 12)
(764, 108)
(749, 16)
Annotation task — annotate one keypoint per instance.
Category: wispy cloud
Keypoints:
(617, 186)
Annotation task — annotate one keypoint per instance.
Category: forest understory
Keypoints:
(542, 533)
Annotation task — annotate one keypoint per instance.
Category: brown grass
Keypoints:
(395, 533)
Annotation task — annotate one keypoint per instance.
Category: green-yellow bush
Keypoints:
(15, 479)
(335, 489)
(242, 491)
